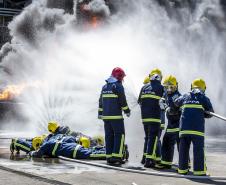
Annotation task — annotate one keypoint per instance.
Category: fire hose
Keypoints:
(216, 115)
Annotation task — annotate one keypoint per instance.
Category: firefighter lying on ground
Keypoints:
(25, 144)
(55, 128)
(29, 145)
(62, 145)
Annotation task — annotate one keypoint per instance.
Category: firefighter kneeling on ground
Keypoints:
(149, 97)
(192, 127)
(112, 102)
(61, 145)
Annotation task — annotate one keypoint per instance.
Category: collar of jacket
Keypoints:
(197, 91)
(111, 79)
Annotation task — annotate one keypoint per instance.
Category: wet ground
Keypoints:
(56, 171)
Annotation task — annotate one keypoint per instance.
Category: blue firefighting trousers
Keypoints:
(114, 138)
(198, 154)
(22, 144)
(169, 141)
(151, 141)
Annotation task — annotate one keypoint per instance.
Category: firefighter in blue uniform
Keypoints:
(192, 127)
(22, 144)
(173, 113)
(61, 145)
(55, 128)
(158, 150)
(112, 102)
(149, 97)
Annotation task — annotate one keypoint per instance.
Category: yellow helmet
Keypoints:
(37, 142)
(52, 126)
(146, 80)
(99, 139)
(170, 84)
(170, 80)
(156, 71)
(84, 141)
(199, 83)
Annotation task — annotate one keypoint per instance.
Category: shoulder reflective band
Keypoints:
(112, 117)
(22, 146)
(191, 132)
(125, 108)
(55, 148)
(163, 126)
(172, 130)
(151, 120)
(110, 96)
(100, 109)
(150, 96)
(194, 106)
(75, 151)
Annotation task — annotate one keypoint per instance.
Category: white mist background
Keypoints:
(71, 65)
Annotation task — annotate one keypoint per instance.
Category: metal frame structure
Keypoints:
(9, 9)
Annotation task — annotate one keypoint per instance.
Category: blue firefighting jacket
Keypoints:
(194, 105)
(112, 100)
(149, 97)
(23, 144)
(173, 112)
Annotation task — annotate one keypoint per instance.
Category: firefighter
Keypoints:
(171, 136)
(149, 97)
(55, 128)
(158, 150)
(22, 144)
(61, 145)
(192, 127)
(112, 102)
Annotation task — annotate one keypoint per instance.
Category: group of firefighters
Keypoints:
(186, 124)
(185, 114)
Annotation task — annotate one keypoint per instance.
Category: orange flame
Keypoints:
(11, 91)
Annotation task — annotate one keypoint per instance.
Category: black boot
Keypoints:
(117, 161)
(149, 163)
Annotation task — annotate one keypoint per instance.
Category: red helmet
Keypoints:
(118, 73)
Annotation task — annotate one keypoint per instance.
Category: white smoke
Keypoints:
(71, 65)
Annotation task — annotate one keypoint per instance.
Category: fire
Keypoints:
(95, 21)
(12, 91)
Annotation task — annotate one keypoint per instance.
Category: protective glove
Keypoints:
(128, 114)
(162, 104)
